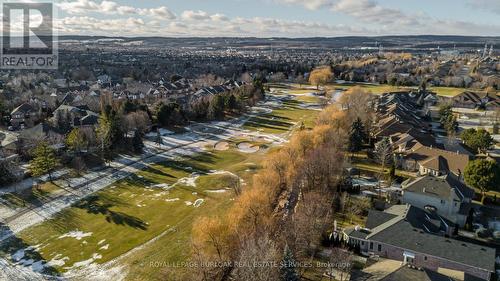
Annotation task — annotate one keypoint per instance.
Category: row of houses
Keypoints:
(79, 109)
(49, 129)
(421, 232)
(404, 122)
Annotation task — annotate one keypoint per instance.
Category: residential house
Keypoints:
(407, 273)
(399, 113)
(445, 195)
(473, 100)
(418, 238)
(428, 160)
(8, 143)
(29, 138)
(25, 115)
(75, 116)
(104, 80)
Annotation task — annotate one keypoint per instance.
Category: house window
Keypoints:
(379, 248)
(425, 258)
(442, 201)
(362, 243)
(371, 245)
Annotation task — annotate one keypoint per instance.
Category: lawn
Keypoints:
(32, 196)
(283, 119)
(159, 202)
(309, 99)
(384, 88)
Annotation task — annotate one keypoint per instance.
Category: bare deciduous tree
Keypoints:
(260, 250)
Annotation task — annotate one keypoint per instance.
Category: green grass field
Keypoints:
(135, 210)
(384, 88)
(155, 207)
(283, 119)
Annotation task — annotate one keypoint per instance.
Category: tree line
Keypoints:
(287, 212)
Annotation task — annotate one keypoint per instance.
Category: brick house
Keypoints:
(418, 238)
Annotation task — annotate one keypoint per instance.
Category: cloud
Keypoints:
(160, 12)
(370, 18)
(190, 15)
(370, 11)
(310, 4)
(81, 7)
(195, 15)
(219, 17)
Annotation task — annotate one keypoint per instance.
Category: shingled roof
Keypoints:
(439, 187)
(456, 162)
(410, 231)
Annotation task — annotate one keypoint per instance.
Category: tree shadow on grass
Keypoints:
(100, 204)
(23, 253)
(65, 221)
(158, 172)
(192, 164)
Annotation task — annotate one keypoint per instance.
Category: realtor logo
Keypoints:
(29, 40)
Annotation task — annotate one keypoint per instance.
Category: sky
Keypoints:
(277, 18)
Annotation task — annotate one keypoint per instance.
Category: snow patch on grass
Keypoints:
(160, 185)
(78, 235)
(18, 255)
(57, 261)
(217, 190)
(188, 181)
(85, 263)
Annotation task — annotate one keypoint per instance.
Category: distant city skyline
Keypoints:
(275, 18)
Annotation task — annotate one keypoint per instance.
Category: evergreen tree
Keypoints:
(288, 271)
(169, 114)
(447, 119)
(44, 160)
(216, 108)
(232, 103)
(483, 175)
(478, 140)
(357, 136)
(128, 107)
(159, 140)
(137, 142)
(163, 114)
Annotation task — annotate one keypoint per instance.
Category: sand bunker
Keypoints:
(198, 203)
(246, 147)
(221, 146)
